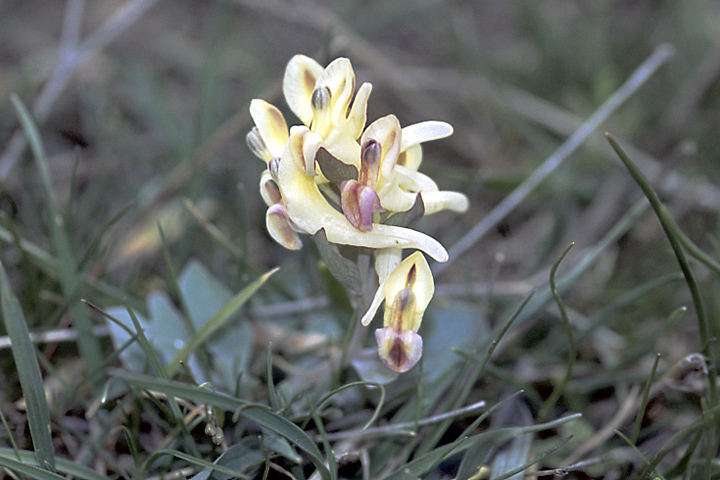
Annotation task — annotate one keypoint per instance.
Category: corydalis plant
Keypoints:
(360, 186)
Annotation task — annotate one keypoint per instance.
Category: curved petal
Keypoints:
(411, 157)
(343, 147)
(269, 190)
(271, 125)
(310, 147)
(386, 261)
(310, 211)
(358, 114)
(301, 74)
(395, 199)
(399, 350)
(413, 273)
(339, 78)
(424, 132)
(386, 131)
(256, 144)
(281, 229)
(444, 200)
(414, 181)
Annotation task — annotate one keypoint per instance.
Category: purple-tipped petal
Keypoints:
(281, 228)
(358, 203)
(399, 350)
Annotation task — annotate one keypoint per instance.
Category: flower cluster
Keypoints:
(359, 185)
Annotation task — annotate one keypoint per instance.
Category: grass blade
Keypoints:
(30, 467)
(29, 373)
(671, 231)
(69, 279)
(638, 78)
(557, 391)
(256, 413)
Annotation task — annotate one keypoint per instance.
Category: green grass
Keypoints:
(146, 332)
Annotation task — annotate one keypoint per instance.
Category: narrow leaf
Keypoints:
(69, 279)
(253, 412)
(408, 217)
(29, 374)
(333, 169)
(29, 466)
(671, 232)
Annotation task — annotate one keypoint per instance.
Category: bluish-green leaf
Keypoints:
(217, 321)
(205, 295)
(333, 169)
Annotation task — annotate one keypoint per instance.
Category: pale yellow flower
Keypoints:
(382, 184)
(407, 292)
(310, 211)
(356, 184)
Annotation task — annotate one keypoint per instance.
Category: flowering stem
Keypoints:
(355, 337)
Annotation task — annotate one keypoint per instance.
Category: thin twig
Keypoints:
(58, 335)
(408, 428)
(659, 57)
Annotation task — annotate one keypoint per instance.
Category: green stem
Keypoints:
(557, 391)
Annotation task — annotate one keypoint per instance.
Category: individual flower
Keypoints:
(407, 291)
(321, 98)
(382, 184)
(310, 211)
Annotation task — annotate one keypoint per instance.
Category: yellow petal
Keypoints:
(414, 181)
(343, 146)
(444, 200)
(413, 272)
(269, 190)
(339, 78)
(311, 143)
(301, 74)
(424, 132)
(310, 211)
(401, 195)
(410, 157)
(385, 131)
(271, 125)
(386, 261)
(358, 114)
(399, 350)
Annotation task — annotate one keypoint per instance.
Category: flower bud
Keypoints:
(370, 160)
(257, 145)
(400, 350)
(273, 167)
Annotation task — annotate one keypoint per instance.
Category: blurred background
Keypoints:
(158, 109)
(143, 109)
